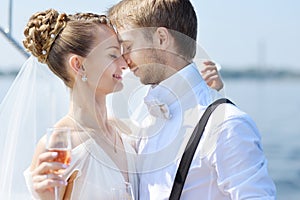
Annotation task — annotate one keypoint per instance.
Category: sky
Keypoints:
(237, 34)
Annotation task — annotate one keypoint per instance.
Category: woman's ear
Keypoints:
(75, 62)
(162, 38)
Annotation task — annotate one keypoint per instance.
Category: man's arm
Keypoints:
(240, 162)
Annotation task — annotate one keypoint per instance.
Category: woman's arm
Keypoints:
(43, 181)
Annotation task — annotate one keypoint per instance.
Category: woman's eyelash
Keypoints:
(113, 56)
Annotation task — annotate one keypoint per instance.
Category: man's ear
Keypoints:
(75, 62)
(162, 38)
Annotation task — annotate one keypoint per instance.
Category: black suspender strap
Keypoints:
(190, 149)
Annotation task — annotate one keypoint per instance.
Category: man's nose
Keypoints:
(128, 60)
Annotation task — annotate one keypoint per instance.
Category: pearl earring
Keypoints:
(84, 78)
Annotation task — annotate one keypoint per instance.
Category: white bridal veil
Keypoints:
(35, 101)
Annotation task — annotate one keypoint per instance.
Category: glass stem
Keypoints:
(56, 194)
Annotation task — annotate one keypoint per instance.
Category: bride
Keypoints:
(84, 52)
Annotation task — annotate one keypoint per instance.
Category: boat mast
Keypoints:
(7, 33)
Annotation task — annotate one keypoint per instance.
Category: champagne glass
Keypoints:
(59, 140)
(122, 192)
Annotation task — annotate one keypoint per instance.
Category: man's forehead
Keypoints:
(132, 34)
(128, 35)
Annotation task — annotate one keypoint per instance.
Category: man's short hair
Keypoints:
(178, 16)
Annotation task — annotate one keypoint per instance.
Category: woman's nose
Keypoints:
(123, 64)
(124, 67)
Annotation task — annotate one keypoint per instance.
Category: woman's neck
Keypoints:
(90, 114)
(92, 119)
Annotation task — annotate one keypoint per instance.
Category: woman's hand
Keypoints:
(211, 75)
(44, 179)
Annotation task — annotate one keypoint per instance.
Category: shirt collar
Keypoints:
(161, 96)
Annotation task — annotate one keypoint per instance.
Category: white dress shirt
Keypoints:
(229, 162)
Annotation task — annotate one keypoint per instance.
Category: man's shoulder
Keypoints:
(229, 115)
(226, 121)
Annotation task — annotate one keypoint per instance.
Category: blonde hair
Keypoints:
(178, 16)
(51, 36)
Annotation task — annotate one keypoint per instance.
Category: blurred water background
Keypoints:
(275, 106)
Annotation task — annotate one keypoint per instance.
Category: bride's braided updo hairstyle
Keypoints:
(51, 36)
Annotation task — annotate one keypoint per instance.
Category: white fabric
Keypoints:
(97, 173)
(36, 99)
(157, 108)
(229, 162)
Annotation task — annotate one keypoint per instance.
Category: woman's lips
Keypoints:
(117, 76)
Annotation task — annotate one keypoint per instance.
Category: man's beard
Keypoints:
(154, 71)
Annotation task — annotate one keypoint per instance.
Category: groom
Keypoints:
(159, 41)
